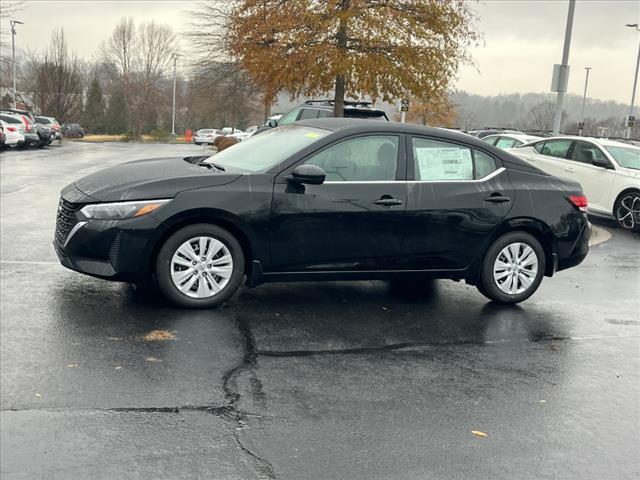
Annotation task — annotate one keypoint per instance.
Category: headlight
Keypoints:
(121, 210)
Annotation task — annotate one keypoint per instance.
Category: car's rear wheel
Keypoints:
(627, 211)
(512, 268)
(200, 266)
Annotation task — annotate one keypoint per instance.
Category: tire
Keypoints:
(205, 284)
(526, 276)
(627, 211)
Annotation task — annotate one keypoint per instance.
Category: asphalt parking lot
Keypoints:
(305, 380)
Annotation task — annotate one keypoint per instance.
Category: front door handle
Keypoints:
(570, 170)
(388, 201)
(497, 198)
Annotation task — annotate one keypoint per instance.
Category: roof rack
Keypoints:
(350, 103)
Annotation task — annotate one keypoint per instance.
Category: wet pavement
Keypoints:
(353, 380)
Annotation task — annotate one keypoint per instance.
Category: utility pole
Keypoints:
(563, 68)
(173, 117)
(13, 51)
(635, 84)
(584, 99)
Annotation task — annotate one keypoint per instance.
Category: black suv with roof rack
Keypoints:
(323, 109)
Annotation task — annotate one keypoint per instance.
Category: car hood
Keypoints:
(146, 179)
(630, 172)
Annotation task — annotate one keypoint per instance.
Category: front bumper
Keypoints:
(117, 250)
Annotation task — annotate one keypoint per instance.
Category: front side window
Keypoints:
(261, 152)
(370, 158)
(505, 142)
(585, 152)
(308, 113)
(556, 148)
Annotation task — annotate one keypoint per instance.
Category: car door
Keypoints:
(596, 181)
(551, 156)
(354, 220)
(458, 196)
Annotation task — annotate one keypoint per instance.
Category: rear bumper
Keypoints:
(572, 253)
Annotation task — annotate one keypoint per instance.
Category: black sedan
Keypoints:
(326, 199)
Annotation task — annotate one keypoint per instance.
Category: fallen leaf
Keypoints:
(153, 359)
(72, 365)
(37, 395)
(115, 339)
(159, 336)
(118, 368)
(542, 401)
(478, 433)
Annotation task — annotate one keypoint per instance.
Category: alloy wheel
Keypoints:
(515, 268)
(628, 212)
(201, 267)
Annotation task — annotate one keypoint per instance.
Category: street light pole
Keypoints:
(13, 52)
(584, 99)
(564, 67)
(173, 117)
(635, 82)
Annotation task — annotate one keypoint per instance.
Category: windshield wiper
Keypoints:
(214, 165)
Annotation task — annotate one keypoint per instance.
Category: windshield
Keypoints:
(263, 151)
(627, 157)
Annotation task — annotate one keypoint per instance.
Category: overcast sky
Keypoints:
(522, 39)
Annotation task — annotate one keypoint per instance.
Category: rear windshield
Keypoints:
(373, 114)
(205, 131)
(9, 119)
(44, 120)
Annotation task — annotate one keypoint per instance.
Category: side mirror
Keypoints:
(273, 123)
(601, 162)
(311, 174)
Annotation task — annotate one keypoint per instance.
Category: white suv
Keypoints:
(608, 170)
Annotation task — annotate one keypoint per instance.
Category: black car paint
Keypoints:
(290, 231)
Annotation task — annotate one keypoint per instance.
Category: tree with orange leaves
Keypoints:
(383, 49)
(435, 112)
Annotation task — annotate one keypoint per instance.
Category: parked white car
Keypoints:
(206, 136)
(608, 170)
(14, 134)
(240, 135)
(509, 140)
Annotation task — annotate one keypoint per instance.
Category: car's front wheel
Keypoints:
(512, 268)
(200, 266)
(627, 211)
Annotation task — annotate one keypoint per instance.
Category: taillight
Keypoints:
(579, 201)
(11, 129)
(27, 123)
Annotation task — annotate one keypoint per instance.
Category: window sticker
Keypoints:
(444, 163)
(313, 135)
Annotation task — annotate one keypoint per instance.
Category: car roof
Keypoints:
(517, 136)
(600, 141)
(358, 125)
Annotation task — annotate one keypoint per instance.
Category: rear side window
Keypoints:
(538, 146)
(491, 140)
(443, 161)
(325, 113)
(484, 164)
(586, 152)
(556, 148)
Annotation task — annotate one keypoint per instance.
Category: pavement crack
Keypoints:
(231, 392)
(397, 347)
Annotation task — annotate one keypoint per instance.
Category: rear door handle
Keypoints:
(388, 201)
(570, 170)
(497, 198)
